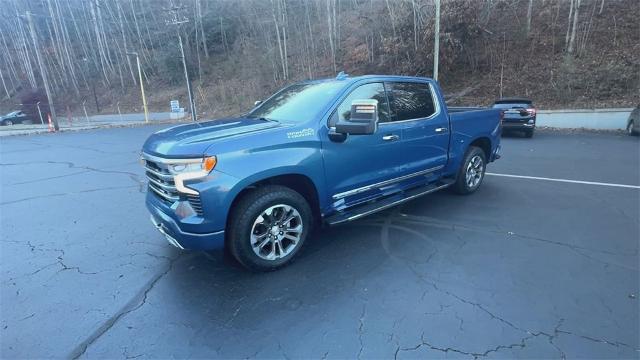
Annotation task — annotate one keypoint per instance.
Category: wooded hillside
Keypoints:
(561, 53)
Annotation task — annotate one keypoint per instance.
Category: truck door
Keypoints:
(364, 167)
(425, 127)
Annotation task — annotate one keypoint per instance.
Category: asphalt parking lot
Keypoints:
(526, 267)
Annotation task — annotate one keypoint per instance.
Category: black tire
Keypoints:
(244, 220)
(461, 186)
(7, 123)
(528, 133)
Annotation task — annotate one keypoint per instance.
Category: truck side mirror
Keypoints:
(258, 102)
(363, 119)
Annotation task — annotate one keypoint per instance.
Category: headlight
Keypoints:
(191, 171)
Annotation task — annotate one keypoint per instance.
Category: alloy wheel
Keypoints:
(276, 232)
(475, 171)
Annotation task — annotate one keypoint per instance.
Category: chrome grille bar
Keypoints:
(158, 174)
(165, 187)
(163, 194)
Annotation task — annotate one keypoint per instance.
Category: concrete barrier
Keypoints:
(596, 119)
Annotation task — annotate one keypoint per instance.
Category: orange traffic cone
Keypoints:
(51, 128)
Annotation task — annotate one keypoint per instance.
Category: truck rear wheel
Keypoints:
(268, 226)
(471, 173)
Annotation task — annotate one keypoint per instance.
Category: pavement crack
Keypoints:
(134, 304)
(475, 355)
(67, 193)
(132, 176)
(236, 311)
(427, 221)
(361, 329)
(589, 338)
(28, 317)
(48, 178)
(76, 268)
(281, 349)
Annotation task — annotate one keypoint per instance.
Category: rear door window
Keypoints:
(410, 101)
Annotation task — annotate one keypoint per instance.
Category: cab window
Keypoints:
(373, 91)
(410, 100)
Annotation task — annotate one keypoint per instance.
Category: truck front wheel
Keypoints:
(471, 172)
(268, 226)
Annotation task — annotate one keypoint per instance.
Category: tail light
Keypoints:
(531, 111)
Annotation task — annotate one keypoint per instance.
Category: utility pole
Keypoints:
(436, 42)
(175, 19)
(43, 72)
(144, 99)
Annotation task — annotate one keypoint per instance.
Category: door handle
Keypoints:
(390, 137)
(441, 129)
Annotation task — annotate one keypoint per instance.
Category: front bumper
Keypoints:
(182, 239)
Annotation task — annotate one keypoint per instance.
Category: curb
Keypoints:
(89, 127)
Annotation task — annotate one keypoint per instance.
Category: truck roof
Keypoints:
(350, 79)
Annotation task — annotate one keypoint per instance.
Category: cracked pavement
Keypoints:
(521, 269)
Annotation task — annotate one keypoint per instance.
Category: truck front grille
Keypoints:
(162, 185)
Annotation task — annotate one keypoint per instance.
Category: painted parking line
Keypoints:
(566, 180)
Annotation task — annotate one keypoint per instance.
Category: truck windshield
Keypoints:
(298, 103)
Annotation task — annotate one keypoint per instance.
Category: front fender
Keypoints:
(271, 173)
(248, 167)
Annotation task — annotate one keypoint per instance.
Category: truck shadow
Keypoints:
(335, 268)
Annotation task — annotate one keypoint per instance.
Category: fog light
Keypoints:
(183, 209)
(531, 121)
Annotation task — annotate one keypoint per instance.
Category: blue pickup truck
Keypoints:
(320, 152)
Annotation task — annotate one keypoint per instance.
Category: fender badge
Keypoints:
(300, 133)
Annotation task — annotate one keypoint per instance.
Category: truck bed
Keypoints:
(474, 119)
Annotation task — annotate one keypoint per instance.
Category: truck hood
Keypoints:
(192, 140)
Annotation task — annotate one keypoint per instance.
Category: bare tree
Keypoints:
(566, 38)
(281, 47)
(529, 11)
(572, 38)
(4, 84)
(246, 48)
(331, 4)
(203, 34)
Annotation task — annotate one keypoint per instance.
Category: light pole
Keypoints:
(436, 42)
(144, 99)
(40, 112)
